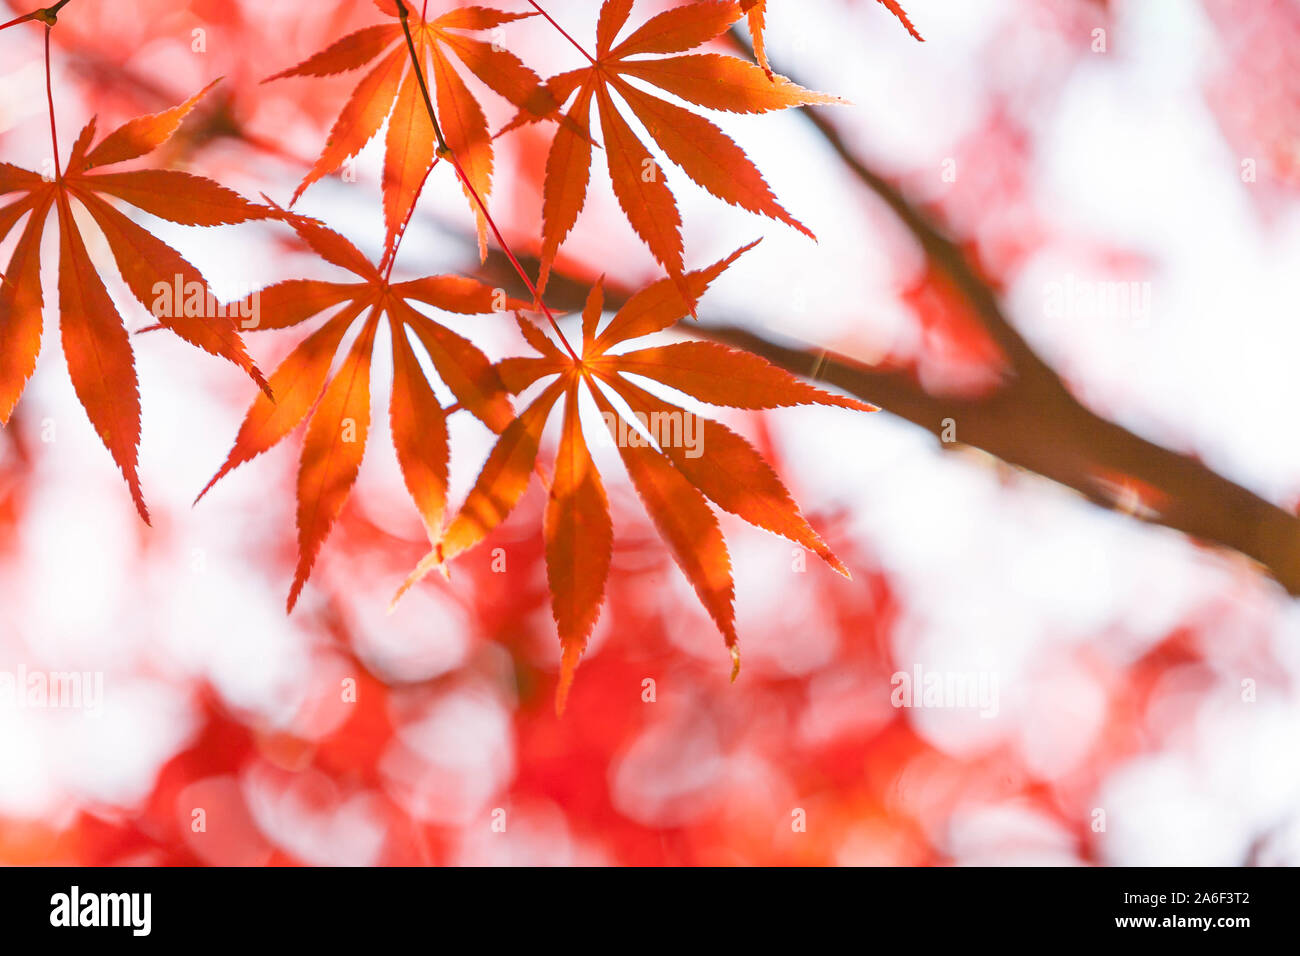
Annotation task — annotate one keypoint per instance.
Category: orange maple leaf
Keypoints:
(674, 482)
(756, 11)
(339, 407)
(706, 154)
(894, 7)
(95, 341)
(391, 91)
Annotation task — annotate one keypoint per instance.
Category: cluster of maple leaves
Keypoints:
(414, 81)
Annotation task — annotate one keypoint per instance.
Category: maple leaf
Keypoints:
(95, 340)
(339, 406)
(675, 482)
(894, 7)
(756, 12)
(390, 90)
(693, 143)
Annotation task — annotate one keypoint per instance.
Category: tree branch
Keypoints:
(1041, 428)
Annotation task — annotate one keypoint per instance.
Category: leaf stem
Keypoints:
(390, 257)
(404, 14)
(445, 151)
(563, 32)
(505, 247)
(17, 20)
(49, 98)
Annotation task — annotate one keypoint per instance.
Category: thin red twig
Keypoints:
(505, 247)
(49, 97)
(390, 256)
(17, 20)
(563, 32)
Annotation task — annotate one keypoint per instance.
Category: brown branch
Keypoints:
(1037, 426)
